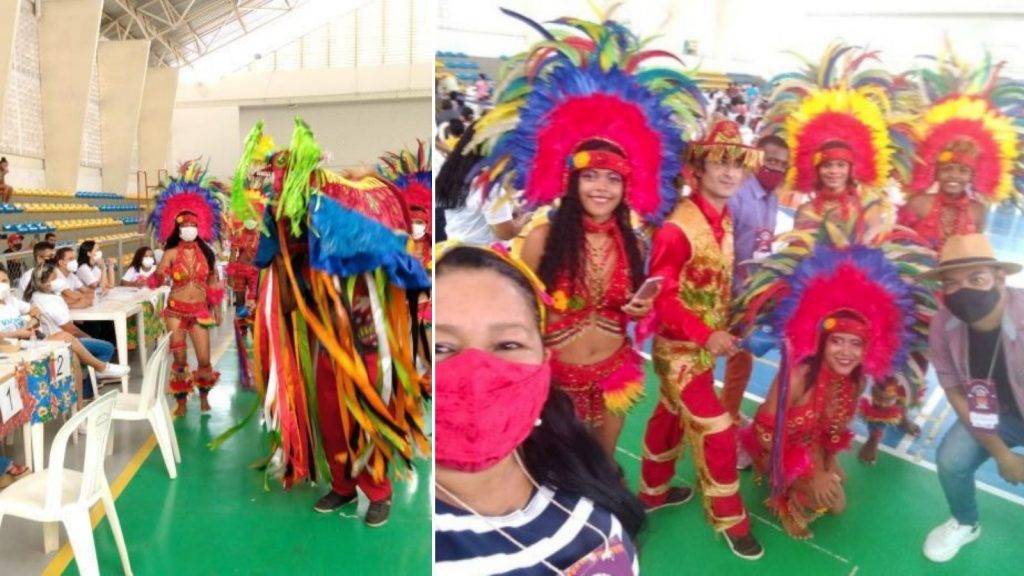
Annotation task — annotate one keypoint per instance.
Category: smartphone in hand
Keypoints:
(649, 289)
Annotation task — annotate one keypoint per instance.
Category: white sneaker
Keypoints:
(945, 541)
(114, 371)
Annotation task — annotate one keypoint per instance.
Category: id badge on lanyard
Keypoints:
(610, 560)
(983, 404)
(763, 243)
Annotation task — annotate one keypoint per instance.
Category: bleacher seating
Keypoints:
(19, 207)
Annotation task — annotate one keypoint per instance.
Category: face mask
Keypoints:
(250, 224)
(972, 305)
(97, 256)
(148, 262)
(769, 179)
(73, 266)
(490, 407)
(5, 290)
(419, 230)
(189, 233)
(59, 285)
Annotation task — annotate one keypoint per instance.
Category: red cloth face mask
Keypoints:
(486, 407)
(769, 179)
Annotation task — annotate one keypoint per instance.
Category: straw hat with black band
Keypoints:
(967, 251)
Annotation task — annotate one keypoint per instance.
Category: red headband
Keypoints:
(838, 153)
(965, 158)
(605, 159)
(844, 324)
(187, 218)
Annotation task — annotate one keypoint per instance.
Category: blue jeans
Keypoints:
(103, 351)
(960, 456)
(5, 463)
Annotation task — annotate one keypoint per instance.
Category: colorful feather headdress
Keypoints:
(256, 153)
(191, 191)
(790, 293)
(411, 173)
(973, 117)
(835, 101)
(585, 81)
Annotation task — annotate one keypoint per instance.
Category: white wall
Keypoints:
(210, 132)
(352, 133)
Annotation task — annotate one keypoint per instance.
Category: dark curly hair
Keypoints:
(564, 248)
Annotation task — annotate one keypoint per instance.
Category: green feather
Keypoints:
(303, 159)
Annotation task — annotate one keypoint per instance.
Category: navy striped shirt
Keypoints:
(467, 545)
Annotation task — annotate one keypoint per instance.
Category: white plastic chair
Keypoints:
(151, 404)
(60, 495)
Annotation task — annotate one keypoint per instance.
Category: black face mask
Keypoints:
(972, 305)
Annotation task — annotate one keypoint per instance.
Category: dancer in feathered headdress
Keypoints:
(410, 172)
(580, 121)
(334, 330)
(839, 122)
(187, 219)
(968, 147)
(248, 200)
(841, 311)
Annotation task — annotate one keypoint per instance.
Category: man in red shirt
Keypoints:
(693, 252)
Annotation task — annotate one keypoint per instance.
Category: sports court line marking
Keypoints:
(62, 559)
(763, 520)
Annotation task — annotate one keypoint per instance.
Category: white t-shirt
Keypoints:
(55, 312)
(12, 314)
(26, 277)
(133, 275)
(89, 275)
(472, 223)
(73, 282)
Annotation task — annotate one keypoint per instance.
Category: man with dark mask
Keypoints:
(754, 208)
(14, 267)
(976, 343)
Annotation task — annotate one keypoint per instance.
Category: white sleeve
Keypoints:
(74, 282)
(497, 209)
(54, 308)
(22, 306)
(130, 275)
(24, 280)
(88, 275)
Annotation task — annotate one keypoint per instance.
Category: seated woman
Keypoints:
(93, 271)
(518, 476)
(72, 289)
(820, 404)
(44, 292)
(141, 268)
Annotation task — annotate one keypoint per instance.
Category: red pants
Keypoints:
(699, 417)
(333, 435)
(738, 368)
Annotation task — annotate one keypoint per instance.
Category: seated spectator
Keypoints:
(14, 243)
(483, 88)
(74, 291)
(142, 267)
(41, 252)
(5, 189)
(467, 115)
(51, 237)
(93, 270)
(44, 292)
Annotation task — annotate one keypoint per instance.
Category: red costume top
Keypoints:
(242, 274)
(815, 432)
(682, 315)
(599, 301)
(947, 217)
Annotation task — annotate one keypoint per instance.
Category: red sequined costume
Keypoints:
(616, 382)
(189, 268)
(693, 253)
(947, 217)
(816, 430)
(242, 275)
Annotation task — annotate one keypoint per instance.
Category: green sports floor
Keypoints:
(890, 509)
(217, 518)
